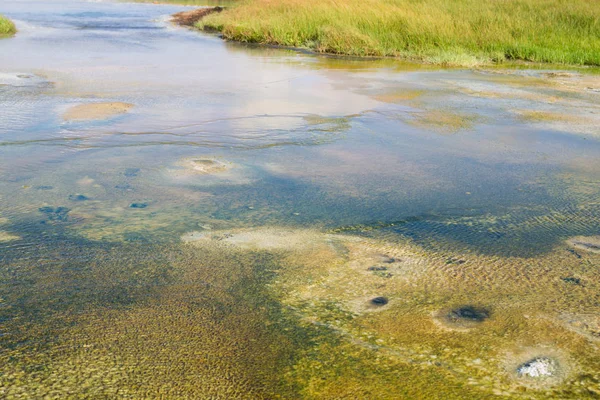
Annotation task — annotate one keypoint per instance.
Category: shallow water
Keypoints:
(223, 237)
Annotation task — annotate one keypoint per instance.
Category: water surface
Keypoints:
(128, 270)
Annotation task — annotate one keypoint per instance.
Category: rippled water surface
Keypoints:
(182, 217)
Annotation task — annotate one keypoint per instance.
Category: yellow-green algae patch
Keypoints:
(95, 111)
(442, 121)
(545, 116)
(180, 324)
(330, 281)
(8, 237)
(398, 96)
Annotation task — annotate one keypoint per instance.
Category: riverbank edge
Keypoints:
(451, 59)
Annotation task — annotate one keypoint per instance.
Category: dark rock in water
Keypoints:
(382, 258)
(377, 268)
(124, 186)
(379, 301)
(131, 172)
(468, 314)
(44, 187)
(539, 367)
(572, 280)
(55, 213)
(576, 254)
(138, 205)
(78, 197)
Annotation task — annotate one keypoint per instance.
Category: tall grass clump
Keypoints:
(6, 26)
(440, 31)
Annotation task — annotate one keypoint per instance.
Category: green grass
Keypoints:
(453, 32)
(7, 27)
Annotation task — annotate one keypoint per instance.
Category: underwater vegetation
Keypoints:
(484, 326)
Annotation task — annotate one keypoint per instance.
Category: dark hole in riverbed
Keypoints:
(469, 314)
(379, 301)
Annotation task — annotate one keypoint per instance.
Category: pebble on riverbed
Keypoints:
(539, 367)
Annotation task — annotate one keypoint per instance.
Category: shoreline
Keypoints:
(299, 27)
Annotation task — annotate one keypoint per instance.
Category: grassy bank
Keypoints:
(461, 32)
(6, 27)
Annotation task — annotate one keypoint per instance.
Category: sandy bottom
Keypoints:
(95, 111)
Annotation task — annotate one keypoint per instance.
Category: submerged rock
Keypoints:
(571, 280)
(539, 367)
(131, 172)
(78, 197)
(55, 213)
(377, 268)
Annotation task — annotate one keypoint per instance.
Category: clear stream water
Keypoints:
(490, 171)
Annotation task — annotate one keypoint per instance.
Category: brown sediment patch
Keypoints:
(94, 111)
(587, 243)
(546, 116)
(442, 121)
(205, 165)
(189, 18)
(8, 237)
(398, 96)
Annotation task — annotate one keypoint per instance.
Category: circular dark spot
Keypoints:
(469, 313)
(379, 301)
(131, 172)
(78, 197)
